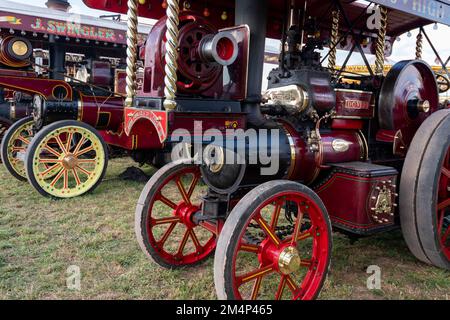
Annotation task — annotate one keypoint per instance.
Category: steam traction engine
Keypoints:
(361, 154)
(75, 119)
(67, 82)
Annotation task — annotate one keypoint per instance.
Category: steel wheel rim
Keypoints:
(180, 216)
(68, 162)
(17, 147)
(315, 265)
(443, 206)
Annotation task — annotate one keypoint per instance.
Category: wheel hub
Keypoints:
(289, 260)
(185, 212)
(286, 257)
(69, 161)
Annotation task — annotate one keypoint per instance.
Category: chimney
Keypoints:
(62, 5)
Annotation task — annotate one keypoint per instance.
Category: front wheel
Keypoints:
(164, 222)
(66, 159)
(275, 244)
(425, 192)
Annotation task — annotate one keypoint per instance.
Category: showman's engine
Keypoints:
(324, 130)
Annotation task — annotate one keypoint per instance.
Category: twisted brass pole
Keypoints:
(419, 41)
(171, 57)
(132, 31)
(333, 41)
(380, 44)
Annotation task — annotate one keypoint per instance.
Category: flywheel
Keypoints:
(408, 96)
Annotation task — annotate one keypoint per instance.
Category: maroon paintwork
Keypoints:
(44, 87)
(352, 104)
(348, 198)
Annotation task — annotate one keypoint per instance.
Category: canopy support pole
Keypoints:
(333, 41)
(380, 44)
(171, 57)
(132, 31)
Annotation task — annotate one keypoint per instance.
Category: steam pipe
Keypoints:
(254, 14)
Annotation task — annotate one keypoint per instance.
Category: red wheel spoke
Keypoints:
(165, 220)
(167, 234)
(86, 161)
(52, 151)
(85, 150)
(254, 274)
(66, 179)
(69, 141)
(445, 235)
(24, 140)
(249, 248)
(304, 235)
(18, 148)
(79, 145)
(276, 214)
(298, 226)
(268, 230)
(49, 161)
(58, 176)
(256, 287)
(194, 238)
(77, 178)
(61, 144)
(444, 204)
(183, 243)
(291, 284)
(193, 185)
(167, 202)
(305, 263)
(280, 289)
(53, 167)
(88, 173)
(183, 192)
(446, 172)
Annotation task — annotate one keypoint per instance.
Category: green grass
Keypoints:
(40, 238)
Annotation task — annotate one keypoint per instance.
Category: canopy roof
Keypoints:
(404, 15)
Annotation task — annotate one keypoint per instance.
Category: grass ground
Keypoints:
(40, 238)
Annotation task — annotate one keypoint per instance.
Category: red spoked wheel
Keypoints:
(275, 244)
(443, 206)
(425, 192)
(164, 222)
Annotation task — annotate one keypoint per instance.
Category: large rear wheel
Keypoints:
(275, 244)
(14, 145)
(425, 192)
(66, 159)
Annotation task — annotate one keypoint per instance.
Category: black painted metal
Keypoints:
(254, 14)
(57, 59)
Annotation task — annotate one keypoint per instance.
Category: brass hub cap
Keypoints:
(70, 161)
(423, 106)
(289, 260)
